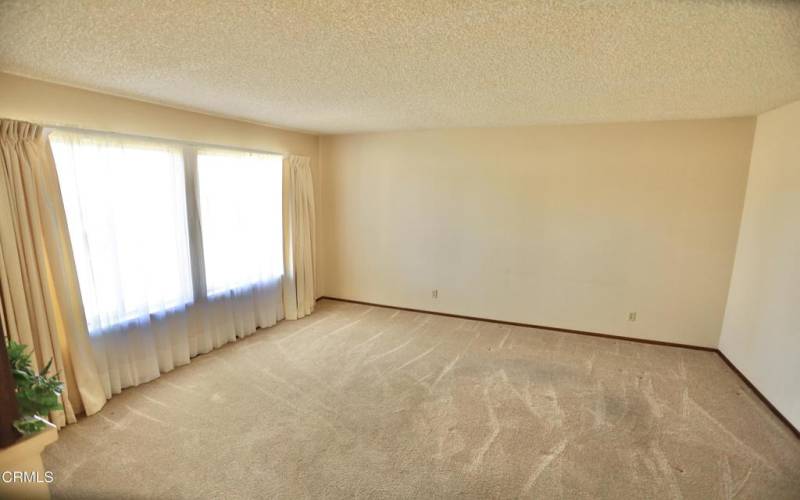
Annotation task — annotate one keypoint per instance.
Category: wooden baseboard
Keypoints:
(527, 325)
(594, 334)
(758, 393)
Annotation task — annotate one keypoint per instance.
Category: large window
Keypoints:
(126, 205)
(126, 213)
(239, 197)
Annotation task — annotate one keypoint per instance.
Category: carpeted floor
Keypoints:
(358, 401)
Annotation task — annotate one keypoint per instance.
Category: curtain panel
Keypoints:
(299, 245)
(42, 305)
(178, 250)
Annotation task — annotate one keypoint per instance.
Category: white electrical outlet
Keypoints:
(435, 293)
(632, 316)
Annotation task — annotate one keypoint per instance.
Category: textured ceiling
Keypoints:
(340, 66)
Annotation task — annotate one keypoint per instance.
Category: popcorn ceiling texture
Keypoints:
(337, 66)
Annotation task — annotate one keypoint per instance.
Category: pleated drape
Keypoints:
(42, 305)
(298, 237)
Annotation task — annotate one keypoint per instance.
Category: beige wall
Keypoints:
(566, 226)
(761, 332)
(51, 104)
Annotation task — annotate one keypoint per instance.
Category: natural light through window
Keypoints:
(126, 211)
(240, 204)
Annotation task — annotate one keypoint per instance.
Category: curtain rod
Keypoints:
(148, 138)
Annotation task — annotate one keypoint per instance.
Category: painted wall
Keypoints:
(566, 226)
(52, 104)
(761, 332)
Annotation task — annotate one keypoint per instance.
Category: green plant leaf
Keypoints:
(28, 425)
(46, 368)
(37, 393)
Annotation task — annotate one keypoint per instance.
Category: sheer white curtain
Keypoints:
(240, 208)
(139, 245)
(238, 197)
(126, 213)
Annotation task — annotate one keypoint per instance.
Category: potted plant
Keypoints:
(9, 409)
(36, 395)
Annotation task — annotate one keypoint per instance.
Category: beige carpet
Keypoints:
(356, 401)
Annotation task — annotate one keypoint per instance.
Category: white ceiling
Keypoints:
(341, 66)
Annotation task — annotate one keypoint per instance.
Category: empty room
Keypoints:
(403, 249)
